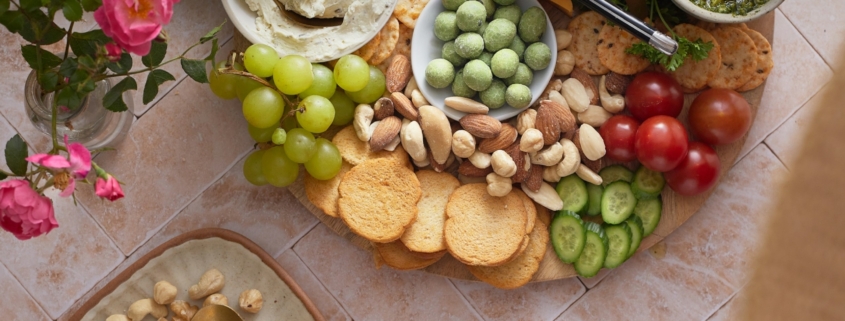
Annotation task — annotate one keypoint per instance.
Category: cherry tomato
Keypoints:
(618, 133)
(697, 173)
(661, 143)
(719, 116)
(654, 93)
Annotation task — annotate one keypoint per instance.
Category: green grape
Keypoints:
(279, 170)
(299, 145)
(326, 161)
(292, 74)
(252, 169)
(373, 91)
(279, 136)
(351, 73)
(344, 108)
(289, 123)
(315, 114)
(260, 59)
(323, 84)
(260, 135)
(244, 86)
(223, 85)
(263, 107)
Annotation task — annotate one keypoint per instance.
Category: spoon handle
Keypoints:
(655, 38)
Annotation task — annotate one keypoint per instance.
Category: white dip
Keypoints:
(319, 9)
(360, 23)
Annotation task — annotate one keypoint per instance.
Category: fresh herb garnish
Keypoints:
(697, 49)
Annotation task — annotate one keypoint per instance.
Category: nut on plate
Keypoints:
(547, 123)
(576, 95)
(570, 161)
(531, 141)
(617, 84)
(480, 159)
(481, 126)
(412, 85)
(418, 99)
(183, 311)
(141, 308)
(212, 281)
(549, 156)
(385, 133)
(565, 63)
(594, 116)
(497, 185)
(588, 175)
(589, 85)
(403, 106)
(563, 38)
(466, 105)
(591, 142)
(251, 301)
(564, 115)
(502, 164)
(522, 161)
(398, 73)
(412, 140)
(463, 144)
(117, 317)
(216, 299)
(505, 138)
(469, 170)
(526, 120)
(437, 132)
(164, 292)
(535, 178)
(545, 196)
(363, 117)
(611, 103)
(383, 108)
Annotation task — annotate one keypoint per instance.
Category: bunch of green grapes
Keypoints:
(297, 100)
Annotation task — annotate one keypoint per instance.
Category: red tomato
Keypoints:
(654, 93)
(618, 133)
(661, 143)
(719, 116)
(697, 173)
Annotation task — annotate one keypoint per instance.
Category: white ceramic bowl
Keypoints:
(244, 20)
(711, 16)
(425, 47)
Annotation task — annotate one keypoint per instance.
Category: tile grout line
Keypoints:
(467, 302)
(776, 155)
(25, 290)
(723, 304)
(320, 282)
(829, 64)
(583, 295)
(290, 244)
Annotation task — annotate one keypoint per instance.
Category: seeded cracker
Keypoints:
(407, 11)
(585, 30)
(403, 47)
(518, 272)
(693, 75)
(389, 37)
(355, 151)
(739, 58)
(426, 233)
(613, 41)
(368, 50)
(764, 60)
(324, 194)
(399, 257)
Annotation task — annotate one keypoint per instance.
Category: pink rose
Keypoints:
(77, 163)
(113, 52)
(133, 24)
(23, 212)
(108, 188)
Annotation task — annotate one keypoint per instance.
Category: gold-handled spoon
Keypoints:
(308, 22)
(216, 313)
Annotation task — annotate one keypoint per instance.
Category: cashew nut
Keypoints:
(611, 103)
(138, 310)
(480, 160)
(418, 99)
(549, 156)
(571, 159)
(251, 301)
(550, 174)
(594, 116)
(576, 95)
(588, 175)
(565, 63)
(422, 163)
(164, 292)
(183, 311)
(497, 185)
(531, 141)
(363, 117)
(463, 144)
(412, 140)
(216, 299)
(409, 89)
(526, 120)
(210, 282)
(503, 164)
(117, 317)
(563, 37)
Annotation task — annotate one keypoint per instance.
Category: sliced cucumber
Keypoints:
(617, 202)
(647, 183)
(649, 210)
(619, 240)
(573, 192)
(568, 236)
(592, 257)
(636, 225)
(594, 204)
(614, 173)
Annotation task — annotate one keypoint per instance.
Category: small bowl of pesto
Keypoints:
(727, 11)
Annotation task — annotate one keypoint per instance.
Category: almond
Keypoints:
(547, 123)
(469, 170)
(383, 108)
(385, 132)
(505, 138)
(535, 178)
(398, 73)
(523, 165)
(565, 118)
(481, 126)
(403, 106)
(589, 84)
(466, 105)
(617, 83)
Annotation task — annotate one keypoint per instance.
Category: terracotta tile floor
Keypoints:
(182, 165)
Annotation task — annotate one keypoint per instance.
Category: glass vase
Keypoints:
(91, 124)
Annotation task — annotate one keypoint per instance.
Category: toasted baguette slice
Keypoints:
(397, 256)
(324, 194)
(356, 151)
(426, 233)
(518, 272)
(530, 210)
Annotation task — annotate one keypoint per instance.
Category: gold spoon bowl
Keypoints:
(216, 313)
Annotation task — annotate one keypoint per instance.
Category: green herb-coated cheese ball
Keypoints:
(499, 34)
(504, 63)
(490, 5)
(511, 12)
(469, 45)
(439, 73)
(532, 24)
(523, 75)
(460, 88)
(470, 15)
(518, 46)
(482, 28)
(448, 53)
(445, 26)
(486, 57)
(518, 96)
(538, 55)
(494, 96)
(477, 75)
(504, 2)
(453, 4)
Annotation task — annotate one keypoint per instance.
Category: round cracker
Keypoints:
(765, 62)
(369, 49)
(518, 272)
(425, 235)
(613, 41)
(693, 75)
(739, 58)
(324, 194)
(355, 151)
(378, 199)
(389, 38)
(530, 210)
(397, 256)
(585, 30)
(407, 11)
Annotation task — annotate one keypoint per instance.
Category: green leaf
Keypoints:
(82, 83)
(30, 5)
(113, 100)
(13, 21)
(212, 34)
(72, 10)
(90, 5)
(156, 55)
(155, 79)
(48, 80)
(86, 44)
(48, 59)
(213, 54)
(69, 98)
(121, 66)
(195, 69)
(2, 176)
(68, 67)
(4, 6)
(16, 153)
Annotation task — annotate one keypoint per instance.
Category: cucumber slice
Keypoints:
(594, 203)
(592, 257)
(647, 183)
(614, 173)
(649, 210)
(617, 202)
(568, 236)
(636, 225)
(573, 192)
(619, 242)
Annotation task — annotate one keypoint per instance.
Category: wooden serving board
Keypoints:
(676, 209)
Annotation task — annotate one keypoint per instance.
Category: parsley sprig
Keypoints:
(697, 49)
